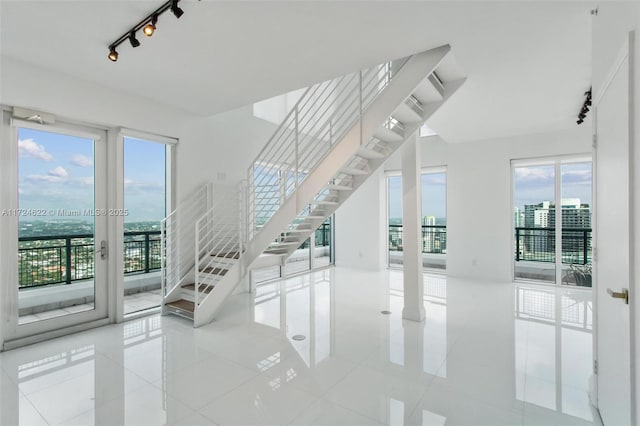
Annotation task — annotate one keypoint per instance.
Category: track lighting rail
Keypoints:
(147, 25)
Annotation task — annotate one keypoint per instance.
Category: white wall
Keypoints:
(479, 210)
(225, 143)
(360, 222)
(610, 28)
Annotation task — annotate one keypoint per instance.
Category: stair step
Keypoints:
(285, 243)
(276, 250)
(338, 187)
(214, 270)
(230, 255)
(314, 216)
(182, 305)
(203, 288)
(354, 171)
(369, 154)
(326, 203)
(297, 231)
(388, 135)
(407, 114)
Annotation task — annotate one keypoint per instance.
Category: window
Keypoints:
(434, 218)
(546, 249)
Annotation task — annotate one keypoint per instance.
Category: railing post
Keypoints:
(68, 259)
(517, 244)
(360, 106)
(584, 247)
(297, 151)
(146, 252)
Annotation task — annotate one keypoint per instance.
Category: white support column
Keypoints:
(412, 231)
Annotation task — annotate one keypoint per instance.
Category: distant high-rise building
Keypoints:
(576, 218)
(518, 217)
(428, 221)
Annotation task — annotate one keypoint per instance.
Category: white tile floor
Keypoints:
(487, 354)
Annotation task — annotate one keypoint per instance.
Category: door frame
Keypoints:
(13, 333)
(116, 234)
(627, 52)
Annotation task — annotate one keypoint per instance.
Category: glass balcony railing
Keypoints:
(63, 259)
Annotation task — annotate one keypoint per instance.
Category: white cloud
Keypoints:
(83, 181)
(58, 172)
(29, 148)
(45, 178)
(81, 160)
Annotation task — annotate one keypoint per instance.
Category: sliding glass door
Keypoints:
(546, 249)
(58, 223)
(145, 202)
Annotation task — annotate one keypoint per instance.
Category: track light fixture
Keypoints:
(147, 25)
(585, 107)
(176, 10)
(150, 28)
(133, 40)
(113, 55)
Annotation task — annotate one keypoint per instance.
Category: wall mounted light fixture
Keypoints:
(147, 25)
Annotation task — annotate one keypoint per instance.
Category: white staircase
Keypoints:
(339, 132)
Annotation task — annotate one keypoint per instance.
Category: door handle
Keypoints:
(103, 250)
(624, 294)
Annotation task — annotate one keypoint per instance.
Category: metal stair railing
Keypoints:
(321, 117)
(177, 233)
(219, 238)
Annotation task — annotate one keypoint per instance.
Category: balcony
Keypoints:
(434, 245)
(55, 273)
(535, 254)
(63, 259)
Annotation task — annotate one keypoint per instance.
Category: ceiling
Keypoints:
(528, 63)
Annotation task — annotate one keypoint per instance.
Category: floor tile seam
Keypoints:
(200, 410)
(292, 423)
(107, 400)
(35, 408)
(352, 368)
(83, 373)
(233, 388)
(424, 393)
(46, 419)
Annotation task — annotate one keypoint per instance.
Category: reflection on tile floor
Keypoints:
(135, 302)
(487, 354)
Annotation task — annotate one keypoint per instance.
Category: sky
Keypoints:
(434, 195)
(534, 184)
(56, 172)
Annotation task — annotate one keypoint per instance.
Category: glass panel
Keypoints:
(534, 221)
(576, 223)
(299, 261)
(434, 220)
(145, 207)
(394, 196)
(323, 254)
(56, 199)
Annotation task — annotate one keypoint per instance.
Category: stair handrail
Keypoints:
(323, 114)
(176, 229)
(218, 231)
